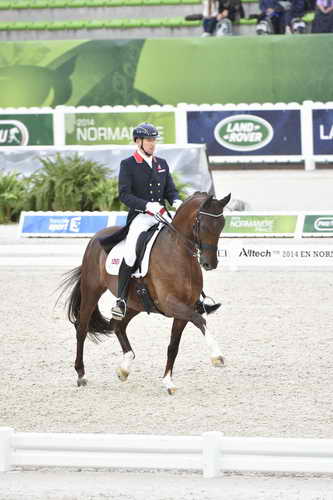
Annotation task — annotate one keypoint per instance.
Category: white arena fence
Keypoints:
(212, 452)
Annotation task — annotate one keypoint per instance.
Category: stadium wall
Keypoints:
(152, 71)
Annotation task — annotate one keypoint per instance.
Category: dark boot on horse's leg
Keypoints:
(119, 310)
(201, 307)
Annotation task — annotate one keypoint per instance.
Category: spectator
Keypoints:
(272, 18)
(293, 16)
(217, 13)
(323, 21)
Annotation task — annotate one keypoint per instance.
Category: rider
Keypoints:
(144, 184)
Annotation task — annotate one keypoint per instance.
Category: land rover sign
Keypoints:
(243, 132)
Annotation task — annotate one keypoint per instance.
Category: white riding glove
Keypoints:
(176, 204)
(153, 208)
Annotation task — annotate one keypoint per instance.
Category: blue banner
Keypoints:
(322, 131)
(60, 224)
(244, 133)
(120, 220)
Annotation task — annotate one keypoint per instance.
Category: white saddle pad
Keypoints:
(115, 257)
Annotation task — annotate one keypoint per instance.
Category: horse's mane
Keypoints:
(194, 196)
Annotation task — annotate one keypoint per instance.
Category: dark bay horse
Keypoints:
(174, 281)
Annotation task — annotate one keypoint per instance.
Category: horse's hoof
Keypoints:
(218, 361)
(172, 390)
(122, 374)
(81, 381)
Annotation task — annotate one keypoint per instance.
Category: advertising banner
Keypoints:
(318, 225)
(322, 131)
(260, 225)
(62, 224)
(26, 129)
(68, 224)
(116, 128)
(243, 254)
(248, 132)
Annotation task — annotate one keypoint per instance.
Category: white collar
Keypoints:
(148, 159)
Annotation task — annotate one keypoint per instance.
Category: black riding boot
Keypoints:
(203, 308)
(119, 310)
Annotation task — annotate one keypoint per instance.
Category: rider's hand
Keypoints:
(153, 208)
(176, 204)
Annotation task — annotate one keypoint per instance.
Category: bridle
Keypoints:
(196, 232)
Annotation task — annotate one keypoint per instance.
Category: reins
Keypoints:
(188, 244)
(196, 246)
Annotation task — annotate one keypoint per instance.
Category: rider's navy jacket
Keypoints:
(139, 184)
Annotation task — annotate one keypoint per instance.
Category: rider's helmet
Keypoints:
(265, 27)
(298, 26)
(144, 130)
(224, 27)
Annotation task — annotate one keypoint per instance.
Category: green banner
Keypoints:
(318, 224)
(165, 71)
(260, 224)
(116, 128)
(26, 130)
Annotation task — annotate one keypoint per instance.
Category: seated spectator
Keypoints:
(218, 16)
(271, 19)
(293, 16)
(323, 20)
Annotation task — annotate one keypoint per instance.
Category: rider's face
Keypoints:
(149, 145)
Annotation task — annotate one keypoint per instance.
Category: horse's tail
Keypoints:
(72, 280)
(98, 324)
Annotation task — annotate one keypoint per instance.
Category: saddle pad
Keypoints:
(115, 257)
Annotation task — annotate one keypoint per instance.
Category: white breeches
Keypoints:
(142, 222)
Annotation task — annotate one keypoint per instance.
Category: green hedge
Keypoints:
(62, 183)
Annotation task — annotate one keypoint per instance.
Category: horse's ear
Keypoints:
(225, 200)
(206, 202)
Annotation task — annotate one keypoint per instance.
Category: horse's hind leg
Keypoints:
(87, 307)
(123, 369)
(176, 333)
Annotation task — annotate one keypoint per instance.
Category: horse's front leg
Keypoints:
(185, 312)
(214, 349)
(176, 333)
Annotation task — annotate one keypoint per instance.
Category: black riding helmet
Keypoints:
(144, 130)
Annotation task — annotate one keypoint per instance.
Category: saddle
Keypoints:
(144, 245)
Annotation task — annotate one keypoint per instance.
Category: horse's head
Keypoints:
(208, 225)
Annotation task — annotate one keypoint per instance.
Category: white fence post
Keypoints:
(5, 448)
(211, 454)
(307, 135)
(181, 123)
(59, 126)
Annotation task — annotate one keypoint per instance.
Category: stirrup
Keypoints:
(119, 310)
